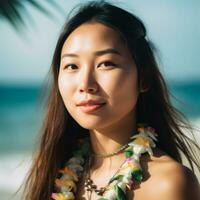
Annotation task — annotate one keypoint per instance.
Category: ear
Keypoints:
(143, 86)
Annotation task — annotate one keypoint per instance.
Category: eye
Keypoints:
(108, 63)
(70, 65)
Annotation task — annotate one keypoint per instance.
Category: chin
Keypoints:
(90, 124)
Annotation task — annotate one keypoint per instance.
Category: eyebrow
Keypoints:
(97, 53)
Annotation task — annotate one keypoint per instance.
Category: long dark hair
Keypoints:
(154, 106)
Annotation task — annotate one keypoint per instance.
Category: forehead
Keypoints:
(92, 37)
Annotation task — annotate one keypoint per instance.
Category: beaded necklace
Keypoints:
(125, 178)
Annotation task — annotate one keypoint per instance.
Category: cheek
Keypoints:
(66, 88)
(62, 85)
(124, 89)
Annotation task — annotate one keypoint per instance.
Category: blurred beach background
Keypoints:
(26, 49)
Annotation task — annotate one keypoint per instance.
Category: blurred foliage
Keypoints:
(15, 11)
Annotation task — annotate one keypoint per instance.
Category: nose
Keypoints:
(87, 82)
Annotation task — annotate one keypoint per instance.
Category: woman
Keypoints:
(110, 131)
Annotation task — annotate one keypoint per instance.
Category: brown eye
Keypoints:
(108, 63)
(70, 65)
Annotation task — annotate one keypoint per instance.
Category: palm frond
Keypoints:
(15, 11)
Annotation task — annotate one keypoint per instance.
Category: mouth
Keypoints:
(91, 108)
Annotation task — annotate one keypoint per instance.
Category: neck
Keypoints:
(110, 139)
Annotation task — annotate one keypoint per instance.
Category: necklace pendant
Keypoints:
(90, 186)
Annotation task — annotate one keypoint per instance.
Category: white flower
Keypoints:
(152, 135)
(64, 189)
(67, 177)
(69, 195)
(149, 150)
(122, 185)
(110, 194)
(111, 185)
(137, 149)
(145, 136)
(127, 173)
(75, 167)
(76, 160)
(126, 179)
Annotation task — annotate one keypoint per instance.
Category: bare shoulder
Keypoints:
(177, 182)
(165, 179)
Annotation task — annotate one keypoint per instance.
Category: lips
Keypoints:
(90, 105)
(88, 108)
(90, 102)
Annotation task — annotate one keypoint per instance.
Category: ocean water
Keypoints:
(21, 114)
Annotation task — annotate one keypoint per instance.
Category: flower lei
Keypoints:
(127, 176)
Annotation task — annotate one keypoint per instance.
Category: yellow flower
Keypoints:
(69, 184)
(142, 141)
(68, 171)
(141, 129)
(132, 166)
(63, 196)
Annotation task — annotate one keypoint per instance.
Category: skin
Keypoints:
(91, 78)
(88, 76)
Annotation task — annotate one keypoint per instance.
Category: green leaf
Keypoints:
(102, 199)
(120, 193)
(16, 13)
(128, 153)
(137, 175)
(118, 177)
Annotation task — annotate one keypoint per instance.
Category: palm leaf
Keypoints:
(120, 193)
(15, 11)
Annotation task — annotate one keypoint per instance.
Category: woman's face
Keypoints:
(96, 64)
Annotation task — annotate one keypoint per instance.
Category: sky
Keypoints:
(173, 26)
